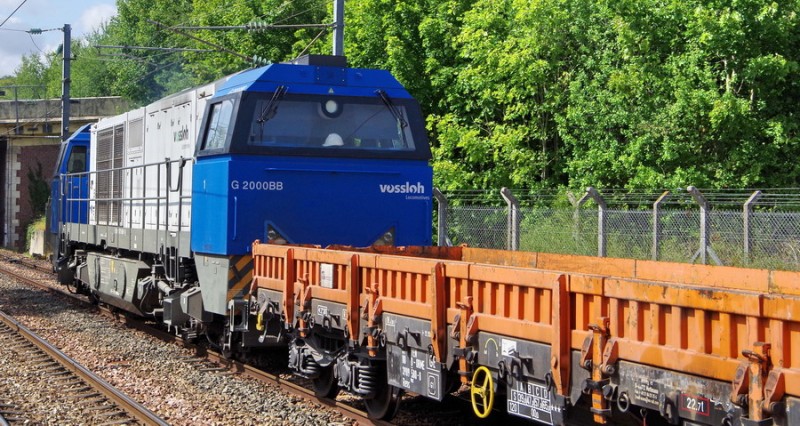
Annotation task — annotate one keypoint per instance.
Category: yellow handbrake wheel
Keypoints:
(260, 322)
(482, 392)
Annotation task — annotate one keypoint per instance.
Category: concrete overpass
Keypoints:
(29, 142)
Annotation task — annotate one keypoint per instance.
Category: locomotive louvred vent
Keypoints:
(110, 144)
(119, 155)
(105, 139)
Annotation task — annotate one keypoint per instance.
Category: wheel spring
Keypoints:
(310, 367)
(368, 378)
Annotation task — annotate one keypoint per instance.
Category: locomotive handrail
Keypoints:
(181, 164)
(131, 201)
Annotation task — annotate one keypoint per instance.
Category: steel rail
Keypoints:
(133, 408)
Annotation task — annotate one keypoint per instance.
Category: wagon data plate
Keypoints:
(531, 401)
(410, 366)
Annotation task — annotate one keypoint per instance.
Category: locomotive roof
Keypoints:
(311, 79)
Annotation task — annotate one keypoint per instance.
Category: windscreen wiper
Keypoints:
(272, 106)
(393, 109)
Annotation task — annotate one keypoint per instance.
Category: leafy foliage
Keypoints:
(38, 190)
(524, 93)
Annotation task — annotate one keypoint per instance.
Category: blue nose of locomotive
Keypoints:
(311, 154)
(309, 201)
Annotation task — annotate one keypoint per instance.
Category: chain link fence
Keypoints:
(758, 229)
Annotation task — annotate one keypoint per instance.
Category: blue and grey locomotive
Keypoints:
(155, 210)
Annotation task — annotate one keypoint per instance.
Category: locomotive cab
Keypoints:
(69, 188)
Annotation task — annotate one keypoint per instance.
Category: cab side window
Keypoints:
(218, 123)
(77, 160)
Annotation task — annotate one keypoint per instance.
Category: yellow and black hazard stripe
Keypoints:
(240, 275)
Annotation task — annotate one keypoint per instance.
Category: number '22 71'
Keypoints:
(695, 404)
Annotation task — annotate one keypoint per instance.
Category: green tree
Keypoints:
(38, 190)
(145, 75)
(535, 94)
(31, 76)
(500, 130)
(678, 93)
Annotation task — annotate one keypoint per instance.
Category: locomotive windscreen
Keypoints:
(281, 123)
(331, 124)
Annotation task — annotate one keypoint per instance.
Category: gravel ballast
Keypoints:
(161, 376)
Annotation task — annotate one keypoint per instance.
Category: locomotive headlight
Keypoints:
(331, 108)
(273, 237)
(387, 239)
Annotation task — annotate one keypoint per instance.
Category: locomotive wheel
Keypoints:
(325, 386)
(482, 392)
(385, 404)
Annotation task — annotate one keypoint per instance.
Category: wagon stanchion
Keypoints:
(464, 322)
(353, 304)
(592, 359)
(560, 361)
(374, 309)
(289, 288)
(438, 297)
(757, 387)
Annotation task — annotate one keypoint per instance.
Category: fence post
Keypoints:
(441, 231)
(705, 247)
(601, 218)
(512, 236)
(576, 220)
(657, 225)
(747, 212)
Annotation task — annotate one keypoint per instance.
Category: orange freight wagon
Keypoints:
(555, 334)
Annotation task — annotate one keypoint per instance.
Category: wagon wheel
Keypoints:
(482, 392)
(326, 385)
(385, 404)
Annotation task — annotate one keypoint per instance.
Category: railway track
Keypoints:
(102, 403)
(206, 359)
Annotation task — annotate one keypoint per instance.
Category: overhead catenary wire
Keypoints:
(34, 42)
(101, 56)
(12, 13)
(261, 25)
(311, 43)
(214, 45)
(254, 26)
(256, 23)
(167, 49)
(157, 69)
(291, 16)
